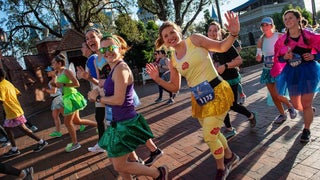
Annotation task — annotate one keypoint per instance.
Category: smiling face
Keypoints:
(86, 51)
(171, 36)
(110, 50)
(291, 20)
(93, 40)
(214, 32)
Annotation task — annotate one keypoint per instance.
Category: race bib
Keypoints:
(203, 93)
(295, 61)
(268, 61)
(108, 115)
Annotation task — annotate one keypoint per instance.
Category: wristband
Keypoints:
(98, 98)
(234, 35)
(64, 84)
(226, 65)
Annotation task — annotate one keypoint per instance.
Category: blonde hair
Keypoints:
(119, 41)
(159, 42)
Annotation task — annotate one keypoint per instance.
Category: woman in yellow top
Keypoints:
(211, 95)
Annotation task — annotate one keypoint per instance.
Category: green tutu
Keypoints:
(73, 102)
(124, 137)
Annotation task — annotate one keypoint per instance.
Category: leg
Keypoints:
(99, 116)
(126, 168)
(56, 118)
(68, 121)
(215, 140)
(28, 132)
(10, 136)
(155, 154)
(77, 120)
(307, 100)
(274, 94)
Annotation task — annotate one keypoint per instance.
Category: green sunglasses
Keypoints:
(109, 49)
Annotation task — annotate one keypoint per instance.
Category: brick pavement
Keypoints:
(267, 151)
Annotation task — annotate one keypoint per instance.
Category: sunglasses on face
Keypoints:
(263, 25)
(109, 49)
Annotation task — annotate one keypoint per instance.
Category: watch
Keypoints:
(226, 65)
(98, 98)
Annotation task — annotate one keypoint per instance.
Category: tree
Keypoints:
(39, 14)
(277, 17)
(183, 13)
(140, 38)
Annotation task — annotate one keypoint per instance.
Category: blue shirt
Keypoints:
(90, 65)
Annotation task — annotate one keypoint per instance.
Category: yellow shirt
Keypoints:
(196, 65)
(8, 96)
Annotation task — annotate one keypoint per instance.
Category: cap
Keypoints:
(48, 69)
(267, 20)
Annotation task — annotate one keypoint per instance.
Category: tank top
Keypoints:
(63, 78)
(126, 110)
(268, 44)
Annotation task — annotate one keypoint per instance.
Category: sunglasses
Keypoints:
(264, 24)
(111, 49)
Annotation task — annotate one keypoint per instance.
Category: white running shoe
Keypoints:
(96, 148)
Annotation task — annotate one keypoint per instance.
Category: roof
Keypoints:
(35, 61)
(11, 63)
(243, 6)
(71, 40)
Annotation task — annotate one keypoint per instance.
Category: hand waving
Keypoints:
(233, 25)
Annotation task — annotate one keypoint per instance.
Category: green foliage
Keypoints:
(140, 38)
(248, 55)
(278, 17)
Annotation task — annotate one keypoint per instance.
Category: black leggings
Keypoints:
(99, 115)
(10, 170)
(236, 107)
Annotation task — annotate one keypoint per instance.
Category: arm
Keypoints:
(74, 81)
(175, 78)
(259, 50)
(122, 77)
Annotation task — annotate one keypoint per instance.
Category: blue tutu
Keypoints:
(302, 79)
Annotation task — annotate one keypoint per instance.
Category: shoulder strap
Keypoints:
(110, 74)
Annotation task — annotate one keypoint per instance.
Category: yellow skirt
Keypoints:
(223, 100)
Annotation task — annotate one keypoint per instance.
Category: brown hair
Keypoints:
(60, 58)
(298, 15)
(159, 42)
(119, 41)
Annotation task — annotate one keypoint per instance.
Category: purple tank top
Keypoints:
(124, 111)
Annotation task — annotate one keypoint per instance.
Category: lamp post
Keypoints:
(3, 41)
(314, 12)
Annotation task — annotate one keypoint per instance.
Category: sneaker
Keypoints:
(11, 153)
(305, 136)
(230, 133)
(170, 101)
(71, 147)
(55, 134)
(222, 174)
(229, 163)
(242, 99)
(280, 119)
(292, 112)
(253, 121)
(158, 100)
(33, 128)
(40, 146)
(164, 171)
(29, 173)
(6, 144)
(153, 157)
(96, 148)
(82, 127)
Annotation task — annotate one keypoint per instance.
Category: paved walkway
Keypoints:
(267, 151)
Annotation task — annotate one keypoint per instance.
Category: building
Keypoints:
(252, 12)
(145, 15)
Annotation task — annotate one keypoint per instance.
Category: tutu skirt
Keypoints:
(15, 122)
(266, 77)
(124, 137)
(73, 102)
(299, 80)
(223, 100)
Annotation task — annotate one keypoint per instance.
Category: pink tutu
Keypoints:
(15, 122)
